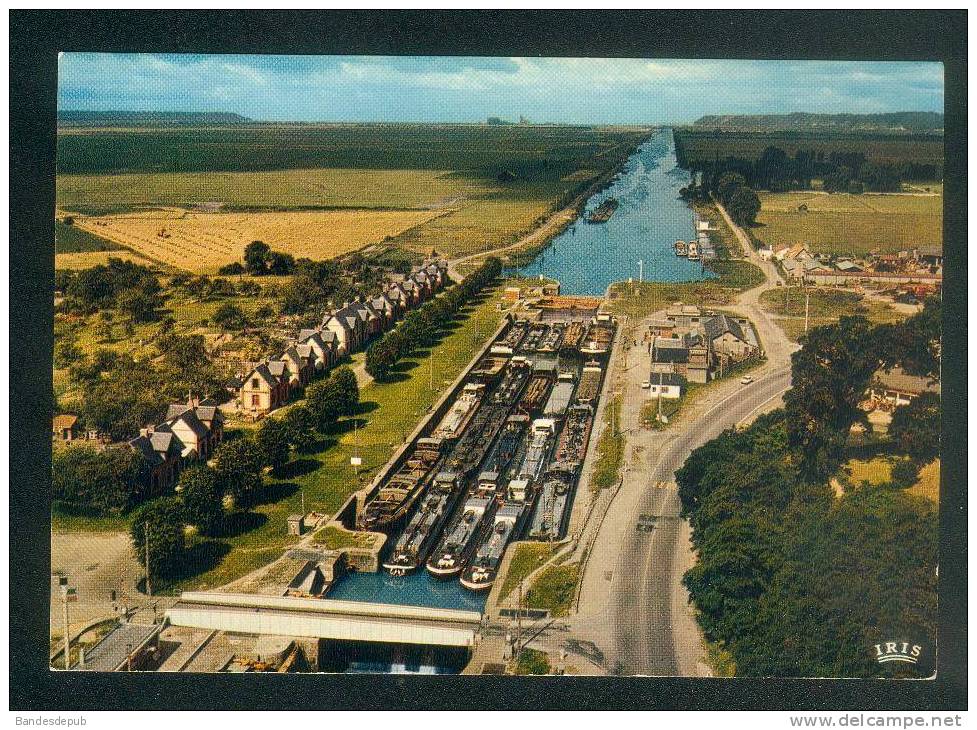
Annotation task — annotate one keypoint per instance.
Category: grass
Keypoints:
(719, 659)
(532, 661)
(554, 589)
(388, 412)
(526, 557)
(649, 297)
(928, 485)
(333, 538)
(827, 306)
(850, 224)
(88, 259)
(610, 448)
(64, 520)
(71, 239)
(649, 411)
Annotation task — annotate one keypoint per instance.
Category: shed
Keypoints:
(64, 426)
(296, 524)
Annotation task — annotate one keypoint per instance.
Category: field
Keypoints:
(850, 224)
(277, 189)
(202, 242)
(71, 239)
(827, 306)
(706, 146)
(491, 184)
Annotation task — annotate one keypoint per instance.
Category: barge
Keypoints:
(551, 510)
(598, 340)
(460, 414)
(480, 574)
(461, 538)
(536, 394)
(573, 335)
(398, 494)
(553, 339)
(574, 437)
(534, 337)
(589, 387)
(512, 339)
(693, 251)
(604, 211)
(424, 528)
(681, 249)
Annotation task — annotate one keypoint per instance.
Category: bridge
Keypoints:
(325, 619)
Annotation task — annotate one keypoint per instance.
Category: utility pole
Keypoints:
(149, 586)
(66, 591)
(807, 310)
(641, 271)
(519, 625)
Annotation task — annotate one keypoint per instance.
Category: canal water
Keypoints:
(587, 257)
(419, 588)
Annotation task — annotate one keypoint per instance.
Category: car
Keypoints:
(646, 384)
(746, 379)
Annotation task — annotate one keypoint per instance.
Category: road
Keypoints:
(632, 603)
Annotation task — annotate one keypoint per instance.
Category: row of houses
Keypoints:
(695, 345)
(269, 384)
(799, 264)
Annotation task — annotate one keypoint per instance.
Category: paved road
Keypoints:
(632, 602)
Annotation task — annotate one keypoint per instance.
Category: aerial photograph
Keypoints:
(496, 366)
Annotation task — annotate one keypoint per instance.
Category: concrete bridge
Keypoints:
(325, 619)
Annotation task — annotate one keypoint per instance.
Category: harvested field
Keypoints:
(850, 224)
(202, 242)
(87, 259)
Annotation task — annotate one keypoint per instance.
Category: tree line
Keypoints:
(731, 189)
(777, 171)
(791, 580)
(420, 327)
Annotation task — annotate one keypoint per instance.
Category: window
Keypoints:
(254, 383)
(255, 399)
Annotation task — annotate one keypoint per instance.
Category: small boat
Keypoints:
(681, 249)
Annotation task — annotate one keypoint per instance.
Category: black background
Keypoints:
(35, 39)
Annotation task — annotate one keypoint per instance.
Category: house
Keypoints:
(396, 294)
(666, 385)
(161, 459)
(848, 266)
(931, 255)
(198, 424)
(348, 326)
(300, 369)
(262, 391)
(727, 337)
(64, 427)
(423, 281)
(387, 310)
(322, 343)
(699, 364)
(898, 388)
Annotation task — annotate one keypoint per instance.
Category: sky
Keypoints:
(460, 89)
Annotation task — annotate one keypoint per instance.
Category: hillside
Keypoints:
(805, 122)
(74, 118)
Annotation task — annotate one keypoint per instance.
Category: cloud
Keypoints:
(573, 90)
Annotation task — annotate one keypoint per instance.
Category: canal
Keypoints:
(587, 257)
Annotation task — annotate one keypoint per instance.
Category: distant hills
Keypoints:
(68, 118)
(805, 122)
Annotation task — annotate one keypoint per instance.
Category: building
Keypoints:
(197, 425)
(727, 337)
(161, 459)
(300, 367)
(666, 385)
(296, 524)
(65, 427)
(263, 391)
(348, 326)
(898, 388)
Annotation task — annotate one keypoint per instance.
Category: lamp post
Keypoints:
(68, 594)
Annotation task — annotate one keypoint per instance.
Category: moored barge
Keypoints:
(398, 494)
(424, 528)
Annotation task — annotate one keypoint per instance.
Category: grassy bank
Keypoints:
(610, 448)
(554, 589)
(526, 557)
(827, 306)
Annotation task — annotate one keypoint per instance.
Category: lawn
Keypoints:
(388, 412)
(850, 224)
(610, 448)
(554, 589)
(928, 485)
(71, 239)
(526, 557)
(826, 307)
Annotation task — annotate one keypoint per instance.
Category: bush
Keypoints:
(233, 269)
(202, 500)
(103, 482)
(163, 521)
(905, 473)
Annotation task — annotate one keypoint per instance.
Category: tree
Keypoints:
(162, 522)
(349, 389)
(743, 206)
(103, 327)
(274, 438)
(66, 352)
(202, 498)
(325, 403)
(728, 184)
(256, 257)
(300, 425)
(233, 269)
(103, 482)
(140, 304)
(915, 427)
(279, 263)
(229, 316)
(381, 356)
(237, 467)
(829, 376)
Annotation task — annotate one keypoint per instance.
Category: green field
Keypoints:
(850, 224)
(826, 307)
(70, 239)
(496, 182)
(526, 557)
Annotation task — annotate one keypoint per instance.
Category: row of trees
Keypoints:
(777, 171)
(421, 326)
(206, 494)
(261, 260)
(791, 580)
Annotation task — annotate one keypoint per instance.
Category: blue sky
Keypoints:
(456, 89)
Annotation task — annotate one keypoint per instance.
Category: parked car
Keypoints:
(646, 384)
(746, 379)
